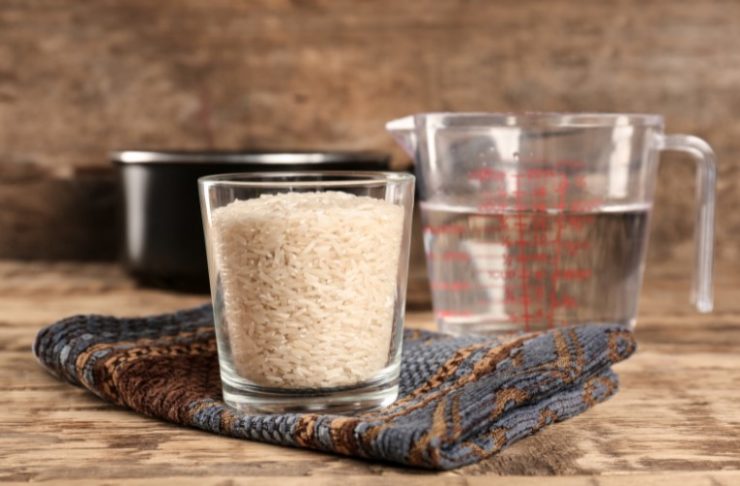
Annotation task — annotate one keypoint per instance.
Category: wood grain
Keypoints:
(78, 79)
(675, 419)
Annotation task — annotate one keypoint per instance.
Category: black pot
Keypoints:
(162, 233)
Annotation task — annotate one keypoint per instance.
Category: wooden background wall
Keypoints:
(80, 78)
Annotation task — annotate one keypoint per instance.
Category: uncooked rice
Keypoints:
(309, 286)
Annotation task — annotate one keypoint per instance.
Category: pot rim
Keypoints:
(257, 157)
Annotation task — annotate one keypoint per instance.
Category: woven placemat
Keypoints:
(462, 398)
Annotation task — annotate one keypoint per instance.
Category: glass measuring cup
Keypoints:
(539, 220)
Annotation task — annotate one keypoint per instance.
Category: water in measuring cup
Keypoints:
(520, 270)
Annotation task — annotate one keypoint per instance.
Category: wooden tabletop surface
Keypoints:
(676, 417)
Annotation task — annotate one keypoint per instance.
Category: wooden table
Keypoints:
(676, 418)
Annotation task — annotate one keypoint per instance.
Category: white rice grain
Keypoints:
(309, 284)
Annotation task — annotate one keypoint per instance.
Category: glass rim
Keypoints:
(311, 178)
(543, 118)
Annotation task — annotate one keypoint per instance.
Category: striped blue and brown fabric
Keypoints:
(462, 398)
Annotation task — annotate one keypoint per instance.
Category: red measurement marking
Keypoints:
(539, 293)
(509, 294)
(521, 242)
(455, 287)
(486, 174)
(519, 224)
(535, 257)
(565, 302)
(462, 256)
(458, 287)
(527, 284)
(537, 235)
(505, 259)
(486, 206)
(572, 274)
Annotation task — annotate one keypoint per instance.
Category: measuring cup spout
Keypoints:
(404, 131)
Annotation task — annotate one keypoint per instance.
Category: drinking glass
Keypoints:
(308, 281)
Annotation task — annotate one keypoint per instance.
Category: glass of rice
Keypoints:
(308, 280)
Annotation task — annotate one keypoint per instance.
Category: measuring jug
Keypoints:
(534, 221)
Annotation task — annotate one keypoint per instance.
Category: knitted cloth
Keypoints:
(462, 399)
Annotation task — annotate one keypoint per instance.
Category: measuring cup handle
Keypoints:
(706, 175)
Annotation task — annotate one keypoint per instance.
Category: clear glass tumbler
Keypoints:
(308, 279)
